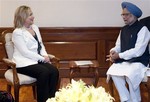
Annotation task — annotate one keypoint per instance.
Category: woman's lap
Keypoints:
(36, 69)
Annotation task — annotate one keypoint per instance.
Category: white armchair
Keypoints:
(13, 78)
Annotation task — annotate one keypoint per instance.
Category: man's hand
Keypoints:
(115, 56)
(109, 58)
(112, 56)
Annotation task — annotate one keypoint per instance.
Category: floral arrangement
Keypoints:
(77, 91)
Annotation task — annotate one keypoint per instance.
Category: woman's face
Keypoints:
(30, 19)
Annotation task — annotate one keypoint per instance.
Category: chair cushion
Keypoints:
(24, 79)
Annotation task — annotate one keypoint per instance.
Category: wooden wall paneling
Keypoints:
(75, 43)
(72, 50)
(107, 45)
(101, 52)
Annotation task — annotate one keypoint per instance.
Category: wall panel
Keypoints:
(77, 43)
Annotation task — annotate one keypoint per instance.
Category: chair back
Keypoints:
(11, 74)
(7, 43)
(146, 22)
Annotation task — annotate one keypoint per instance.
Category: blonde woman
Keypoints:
(30, 55)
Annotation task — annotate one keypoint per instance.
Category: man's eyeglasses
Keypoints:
(125, 14)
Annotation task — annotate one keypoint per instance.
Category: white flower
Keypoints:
(77, 91)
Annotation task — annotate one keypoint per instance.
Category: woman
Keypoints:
(30, 55)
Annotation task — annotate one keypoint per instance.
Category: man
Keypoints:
(130, 55)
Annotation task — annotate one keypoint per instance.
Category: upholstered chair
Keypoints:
(13, 78)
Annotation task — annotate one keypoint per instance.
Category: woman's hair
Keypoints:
(21, 14)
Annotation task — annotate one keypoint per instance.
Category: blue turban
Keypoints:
(136, 11)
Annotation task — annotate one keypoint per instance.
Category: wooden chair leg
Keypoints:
(9, 88)
(149, 94)
(111, 87)
(147, 85)
(96, 77)
(71, 74)
(16, 93)
(58, 85)
(34, 88)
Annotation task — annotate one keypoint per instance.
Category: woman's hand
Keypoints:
(47, 60)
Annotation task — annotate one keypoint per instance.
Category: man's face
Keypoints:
(127, 17)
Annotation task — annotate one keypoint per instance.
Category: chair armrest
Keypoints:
(51, 56)
(12, 65)
(54, 60)
(9, 63)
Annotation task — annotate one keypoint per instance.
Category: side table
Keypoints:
(94, 65)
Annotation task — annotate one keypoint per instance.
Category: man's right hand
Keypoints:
(109, 58)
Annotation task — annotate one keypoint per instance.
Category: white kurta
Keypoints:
(134, 71)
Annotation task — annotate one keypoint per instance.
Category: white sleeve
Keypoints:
(19, 43)
(143, 38)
